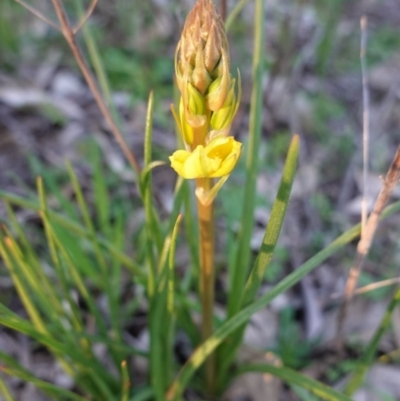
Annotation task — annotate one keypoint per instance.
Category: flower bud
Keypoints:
(201, 48)
(221, 119)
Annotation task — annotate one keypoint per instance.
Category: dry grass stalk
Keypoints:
(389, 183)
(69, 33)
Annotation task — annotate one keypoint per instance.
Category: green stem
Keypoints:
(207, 276)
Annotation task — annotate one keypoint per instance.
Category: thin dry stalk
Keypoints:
(69, 34)
(370, 287)
(85, 17)
(38, 14)
(363, 50)
(368, 225)
(389, 183)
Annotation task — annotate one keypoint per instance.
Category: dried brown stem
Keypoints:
(38, 14)
(85, 17)
(389, 183)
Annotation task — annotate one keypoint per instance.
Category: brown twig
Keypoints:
(38, 14)
(389, 183)
(89, 12)
(69, 34)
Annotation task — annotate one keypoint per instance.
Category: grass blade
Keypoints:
(240, 269)
(12, 368)
(274, 224)
(292, 377)
(125, 381)
(4, 391)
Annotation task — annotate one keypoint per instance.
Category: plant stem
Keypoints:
(206, 225)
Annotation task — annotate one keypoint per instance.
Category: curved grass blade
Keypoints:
(4, 391)
(65, 352)
(292, 377)
(16, 370)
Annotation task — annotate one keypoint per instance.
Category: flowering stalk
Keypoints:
(206, 110)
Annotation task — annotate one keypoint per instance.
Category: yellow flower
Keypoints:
(217, 159)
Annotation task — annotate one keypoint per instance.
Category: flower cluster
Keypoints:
(208, 101)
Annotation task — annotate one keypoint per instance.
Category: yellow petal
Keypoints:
(217, 159)
(225, 149)
(198, 165)
(178, 160)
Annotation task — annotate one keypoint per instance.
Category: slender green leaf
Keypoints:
(4, 391)
(55, 302)
(125, 381)
(275, 222)
(146, 191)
(100, 191)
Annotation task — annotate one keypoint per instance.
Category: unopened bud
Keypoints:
(203, 46)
